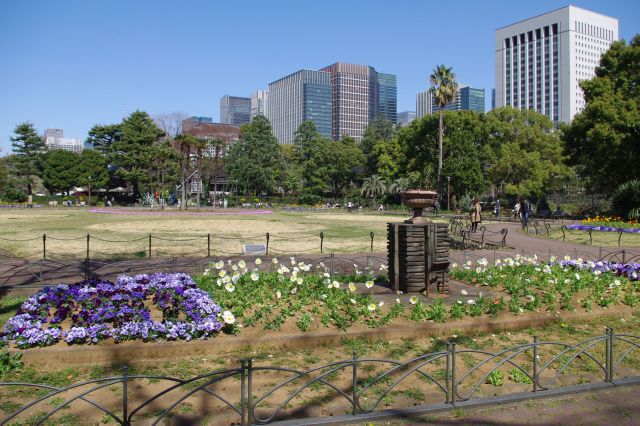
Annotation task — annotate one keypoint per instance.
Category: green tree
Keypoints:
(374, 186)
(376, 136)
(603, 141)
(60, 170)
(305, 138)
(92, 169)
(29, 148)
(101, 137)
(131, 151)
(444, 87)
(256, 162)
(524, 154)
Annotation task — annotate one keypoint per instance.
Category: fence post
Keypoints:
(619, 236)
(173, 264)
(590, 236)
(535, 363)
(611, 357)
(88, 238)
(600, 253)
(250, 391)
(125, 408)
(243, 392)
(209, 244)
(371, 235)
(149, 245)
(331, 264)
(354, 388)
(447, 376)
(575, 252)
(44, 246)
(266, 250)
(454, 385)
(321, 240)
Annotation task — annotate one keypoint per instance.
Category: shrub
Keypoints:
(626, 198)
(14, 195)
(309, 199)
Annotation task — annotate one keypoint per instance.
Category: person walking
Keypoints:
(516, 210)
(525, 211)
(474, 214)
(436, 206)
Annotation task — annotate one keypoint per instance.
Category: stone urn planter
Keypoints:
(418, 200)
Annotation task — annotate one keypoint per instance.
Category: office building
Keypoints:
(424, 104)
(388, 97)
(493, 98)
(541, 61)
(259, 103)
(54, 139)
(235, 110)
(359, 95)
(406, 117)
(302, 96)
(470, 99)
(194, 119)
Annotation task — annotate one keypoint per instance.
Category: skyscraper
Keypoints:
(54, 139)
(259, 101)
(360, 94)
(301, 96)
(541, 61)
(388, 97)
(471, 99)
(424, 104)
(235, 110)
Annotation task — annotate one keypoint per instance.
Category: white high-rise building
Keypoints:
(541, 61)
(259, 100)
(54, 139)
(424, 104)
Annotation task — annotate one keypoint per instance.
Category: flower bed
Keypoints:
(558, 284)
(607, 224)
(146, 307)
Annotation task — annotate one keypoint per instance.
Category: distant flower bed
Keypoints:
(607, 224)
(144, 307)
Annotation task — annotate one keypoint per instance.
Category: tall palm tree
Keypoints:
(399, 185)
(374, 186)
(444, 87)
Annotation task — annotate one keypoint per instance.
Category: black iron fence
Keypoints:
(253, 394)
(462, 237)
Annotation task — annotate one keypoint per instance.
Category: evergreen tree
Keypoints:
(29, 148)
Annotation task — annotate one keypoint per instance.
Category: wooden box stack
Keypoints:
(418, 256)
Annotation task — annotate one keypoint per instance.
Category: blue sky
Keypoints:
(73, 64)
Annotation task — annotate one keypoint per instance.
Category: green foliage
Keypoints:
(626, 198)
(93, 169)
(9, 362)
(28, 147)
(603, 140)
(496, 378)
(14, 195)
(374, 187)
(133, 150)
(516, 375)
(101, 137)
(524, 155)
(256, 162)
(60, 170)
(377, 147)
(309, 199)
(436, 311)
(444, 87)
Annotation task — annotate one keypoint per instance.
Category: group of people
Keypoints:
(521, 210)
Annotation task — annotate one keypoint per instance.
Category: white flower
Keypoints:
(336, 284)
(242, 264)
(228, 317)
(399, 292)
(258, 261)
(454, 265)
(483, 261)
(294, 290)
(278, 294)
(479, 270)
(468, 263)
(222, 273)
(274, 260)
(293, 278)
(616, 282)
(293, 260)
(353, 301)
(352, 287)
(464, 292)
(597, 272)
(372, 307)
(455, 336)
(413, 300)
(206, 272)
(369, 284)
(381, 304)
(459, 302)
(326, 275)
(255, 276)
(577, 277)
(230, 287)
(323, 296)
(219, 264)
(234, 267)
(552, 259)
(299, 281)
(471, 302)
(397, 300)
(546, 269)
(531, 297)
(567, 258)
(219, 282)
(383, 267)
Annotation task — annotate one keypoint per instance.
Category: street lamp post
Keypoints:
(89, 191)
(449, 193)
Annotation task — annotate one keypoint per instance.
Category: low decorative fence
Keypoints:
(483, 238)
(254, 394)
(562, 232)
